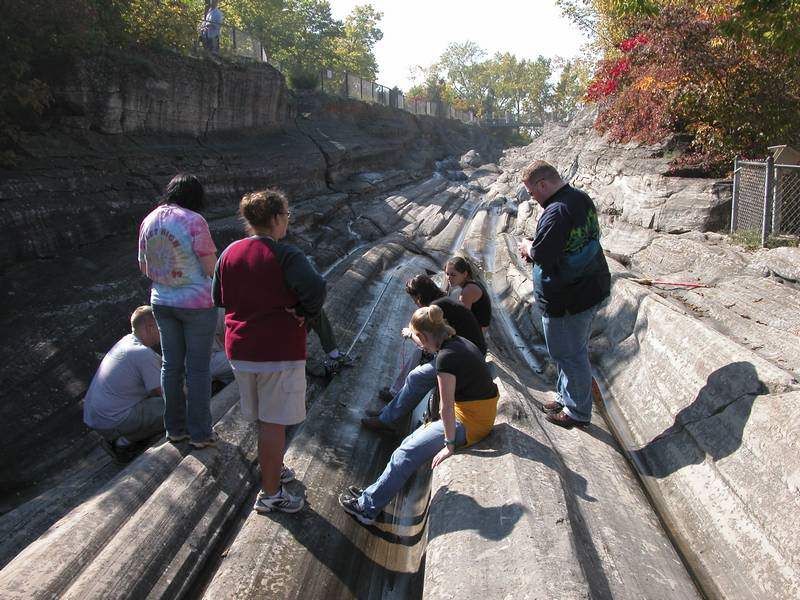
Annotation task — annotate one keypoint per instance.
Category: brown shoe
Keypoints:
(377, 425)
(385, 395)
(562, 419)
(373, 412)
(554, 406)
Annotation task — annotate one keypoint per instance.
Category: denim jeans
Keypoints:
(420, 446)
(567, 340)
(419, 382)
(186, 337)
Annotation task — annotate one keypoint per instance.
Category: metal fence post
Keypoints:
(767, 216)
(346, 84)
(233, 32)
(735, 198)
(776, 201)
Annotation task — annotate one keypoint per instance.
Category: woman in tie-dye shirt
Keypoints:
(177, 253)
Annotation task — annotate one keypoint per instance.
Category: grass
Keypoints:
(750, 239)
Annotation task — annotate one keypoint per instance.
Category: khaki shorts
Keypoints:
(278, 397)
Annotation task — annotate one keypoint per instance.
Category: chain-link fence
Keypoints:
(348, 85)
(766, 198)
(234, 41)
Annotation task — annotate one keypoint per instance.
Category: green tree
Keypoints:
(354, 49)
(462, 65)
(569, 91)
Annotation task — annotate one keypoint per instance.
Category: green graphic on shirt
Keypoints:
(580, 236)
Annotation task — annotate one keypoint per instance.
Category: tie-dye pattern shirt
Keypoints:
(171, 239)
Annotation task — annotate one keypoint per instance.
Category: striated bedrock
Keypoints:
(700, 384)
(117, 134)
(629, 182)
(69, 212)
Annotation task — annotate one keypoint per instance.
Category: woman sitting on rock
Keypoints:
(268, 289)
(468, 408)
(473, 294)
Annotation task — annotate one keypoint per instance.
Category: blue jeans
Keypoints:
(419, 382)
(186, 337)
(567, 340)
(420, 446)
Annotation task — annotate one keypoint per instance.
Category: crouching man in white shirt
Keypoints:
(124, 402)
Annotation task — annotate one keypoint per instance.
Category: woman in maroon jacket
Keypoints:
(268, 289)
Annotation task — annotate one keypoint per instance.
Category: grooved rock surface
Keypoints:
(699, 383)
(69, 213)
(628, 181)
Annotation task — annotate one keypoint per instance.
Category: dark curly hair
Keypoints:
(424, 289)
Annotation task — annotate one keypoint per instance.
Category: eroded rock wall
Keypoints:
(69, 212)
(630, 182)
(699, 383)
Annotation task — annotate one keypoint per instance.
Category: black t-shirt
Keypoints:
(461, 358)
(482, 307)
(462, 320)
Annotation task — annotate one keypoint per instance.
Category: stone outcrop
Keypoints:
(698, 383)
(629, 181)
(69, 212)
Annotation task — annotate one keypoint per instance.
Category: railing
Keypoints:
(235, 42)
(348, 85)
(766, 198)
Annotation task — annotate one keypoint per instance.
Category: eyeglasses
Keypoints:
(288, 213)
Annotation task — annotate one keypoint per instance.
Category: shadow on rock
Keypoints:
(490, 522)
(711, 426)
(507, 439)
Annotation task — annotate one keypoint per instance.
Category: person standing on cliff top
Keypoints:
(571, 278)
(211, 27)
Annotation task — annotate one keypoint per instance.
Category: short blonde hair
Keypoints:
(540, 169)
(140, 316)
(430, 320)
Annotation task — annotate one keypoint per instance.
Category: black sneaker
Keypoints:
(375, 424)
(355, 491)
(334, 365)
(385, 395)
(122, 455)
(351, 507)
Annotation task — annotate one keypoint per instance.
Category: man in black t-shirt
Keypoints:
(422, 379)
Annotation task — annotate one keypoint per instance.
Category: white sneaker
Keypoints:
(283, 501)
(287, 474)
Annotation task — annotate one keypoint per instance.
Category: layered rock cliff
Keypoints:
(69, 212)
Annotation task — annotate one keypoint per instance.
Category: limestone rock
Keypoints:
(472, 158)
(629, 181)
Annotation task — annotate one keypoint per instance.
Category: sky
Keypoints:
(416, 32)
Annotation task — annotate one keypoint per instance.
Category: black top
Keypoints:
(462, 358)
(481, 308)
(570, 273)
(462, 320)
